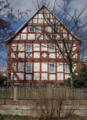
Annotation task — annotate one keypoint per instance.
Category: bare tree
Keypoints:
(68, 30)
(8, 17)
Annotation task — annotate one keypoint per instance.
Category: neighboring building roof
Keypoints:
(32, 17)
(3, 73)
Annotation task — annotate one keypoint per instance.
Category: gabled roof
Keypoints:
(32, 17)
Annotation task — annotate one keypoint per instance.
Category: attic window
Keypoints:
(56, 30)
(31, 29)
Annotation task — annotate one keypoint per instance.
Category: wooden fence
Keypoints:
(6, 93)
(25, 93)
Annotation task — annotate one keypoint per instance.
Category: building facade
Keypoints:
(32, 56)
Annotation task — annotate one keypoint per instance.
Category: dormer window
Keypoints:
(32, 29)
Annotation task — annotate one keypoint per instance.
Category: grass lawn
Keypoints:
(16, 117)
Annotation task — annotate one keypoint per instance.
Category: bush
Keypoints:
(80, 81)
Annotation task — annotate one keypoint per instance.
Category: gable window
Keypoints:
(31, 29)
(67, 68)
(56, 30)
(28, 67)
(51, 67)
(51, 48)
(28, 47)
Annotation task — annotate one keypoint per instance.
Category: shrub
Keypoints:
(80, 81)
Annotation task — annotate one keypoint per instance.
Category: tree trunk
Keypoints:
(71, 74)
(72, 87)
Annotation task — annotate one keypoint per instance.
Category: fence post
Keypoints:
(15, 93)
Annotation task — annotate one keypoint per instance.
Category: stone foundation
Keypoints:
(28, 107)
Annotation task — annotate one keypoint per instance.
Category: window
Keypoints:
(51, 48)
(28, 67)
(67, 68)
(56, 29)
(28, 47)
(51, 67)
(31, 29)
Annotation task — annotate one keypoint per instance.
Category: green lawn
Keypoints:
(16, 117)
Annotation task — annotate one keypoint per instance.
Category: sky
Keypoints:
(29, 5)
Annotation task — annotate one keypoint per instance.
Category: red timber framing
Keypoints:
(39, 56)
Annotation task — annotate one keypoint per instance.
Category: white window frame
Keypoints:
(67, 68)
(49, 68)
(53, 49)
(28, 64)
(27, 50)
(30, 30)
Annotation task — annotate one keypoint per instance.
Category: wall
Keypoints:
(27, 107)
(39, 56)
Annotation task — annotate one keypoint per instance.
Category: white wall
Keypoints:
(31, 36)
(21, 55)
(59, 76)
(51, 76)
(36, 76)
(20, 47)
(36, 54)
(44, 76)
(36, 67)
(28, 76)
(44, 67)
(59, 67)
(21, 76)
(36, 47)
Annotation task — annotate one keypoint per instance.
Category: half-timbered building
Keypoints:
(29, 56)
